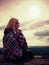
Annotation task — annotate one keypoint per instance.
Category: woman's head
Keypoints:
(13, 24)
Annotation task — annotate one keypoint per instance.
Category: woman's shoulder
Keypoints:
(6, 31)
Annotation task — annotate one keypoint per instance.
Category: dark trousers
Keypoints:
(26, 57)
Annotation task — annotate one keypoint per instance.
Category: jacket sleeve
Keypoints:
(22, 41)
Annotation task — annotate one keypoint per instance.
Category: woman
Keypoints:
(14, 43)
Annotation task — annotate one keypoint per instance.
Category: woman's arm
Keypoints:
(22, 40)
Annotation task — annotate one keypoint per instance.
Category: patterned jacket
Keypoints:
(14, 43)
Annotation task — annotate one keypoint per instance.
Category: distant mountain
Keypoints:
(40, 50)
(36, 50)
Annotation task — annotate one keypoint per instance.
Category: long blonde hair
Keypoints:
(11, 23)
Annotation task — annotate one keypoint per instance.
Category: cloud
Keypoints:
(42, 33)
(0, 40)
(39, 24)
(31, 26)
(2, 27)
(47, 39)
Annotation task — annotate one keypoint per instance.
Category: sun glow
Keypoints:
(34, 12)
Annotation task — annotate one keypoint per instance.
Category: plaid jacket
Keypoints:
(14, 44)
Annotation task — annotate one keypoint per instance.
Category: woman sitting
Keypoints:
(14, 43)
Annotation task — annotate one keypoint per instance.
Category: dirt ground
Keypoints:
(37, 61)
(32, 62)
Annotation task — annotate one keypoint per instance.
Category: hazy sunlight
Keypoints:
(34, 12)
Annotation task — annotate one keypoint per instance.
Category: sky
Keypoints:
(33, 16)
